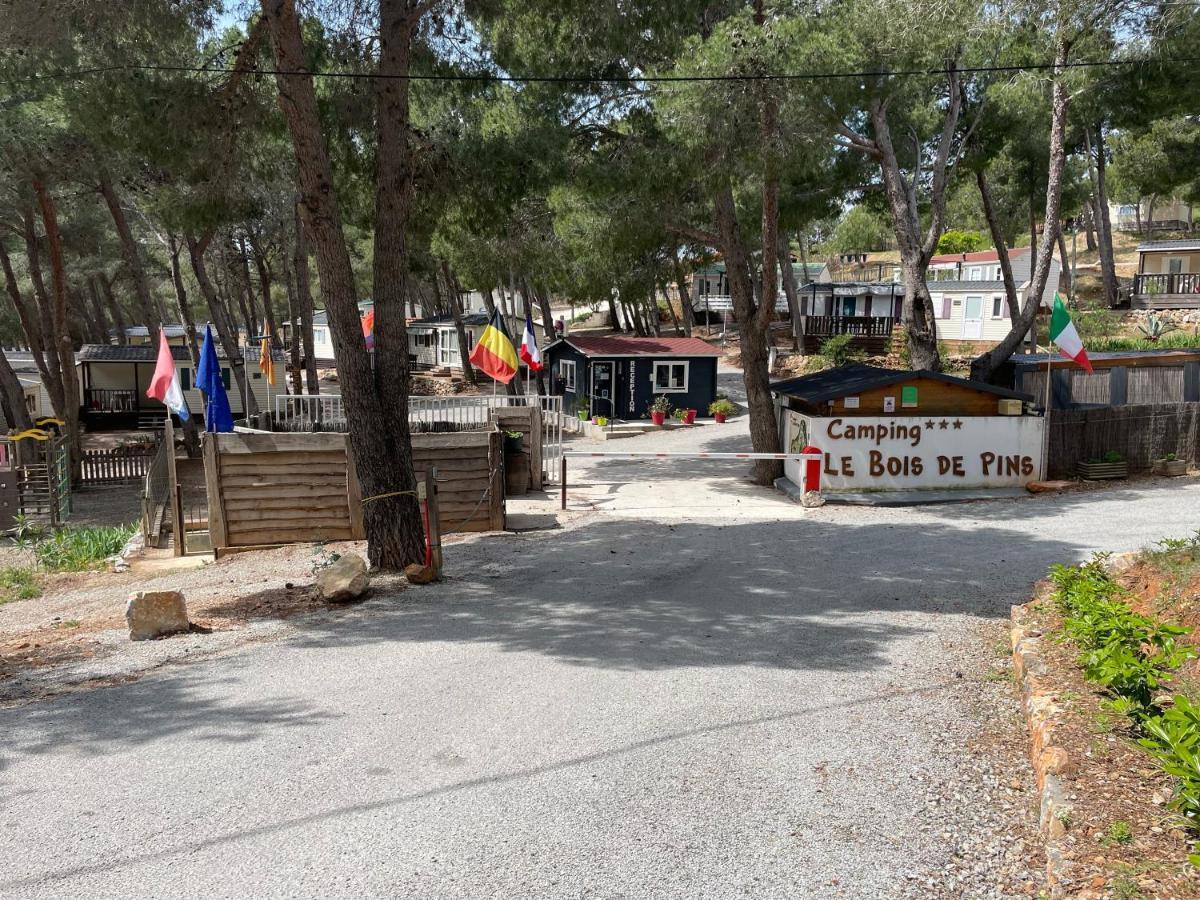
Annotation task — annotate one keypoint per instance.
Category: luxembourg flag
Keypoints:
(1063, 333)
(164, 385)
(530, 354)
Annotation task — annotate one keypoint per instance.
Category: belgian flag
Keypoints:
(495, 355)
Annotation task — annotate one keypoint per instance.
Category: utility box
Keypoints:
(1010, 407)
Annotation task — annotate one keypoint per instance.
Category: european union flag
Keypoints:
(217, 415)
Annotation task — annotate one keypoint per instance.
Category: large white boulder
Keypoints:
(152, 614)
(346, 579)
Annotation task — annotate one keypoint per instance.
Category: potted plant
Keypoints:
(689, 417)
(583, 412)
(1110, 465)
(601, 420)
(514, 442)
(659, 407)
(721, 408)
(1170, 465)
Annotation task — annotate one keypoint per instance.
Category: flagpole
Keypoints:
(1046, 419)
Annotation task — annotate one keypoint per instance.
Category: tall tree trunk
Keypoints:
(18, 415)
(1089, 220)
(114, 308)
(264, 281)
(985, 366)
(231, 290)
(543, 298)
(376, 402)
(754, 325)
(789, 288)
(662, 286)
(293, 303)
(43, 325)
(998, 240)
(253, 320)
(685, 299)
(464, 344)
(489, 301)
(222, 321)
(152, 313)
(304, 304)
(614, 320)
(66, 351)
(1064, 264)
(98, 308)
(1096, 170)
(920, 323)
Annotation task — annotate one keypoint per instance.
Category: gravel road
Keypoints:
(803, 705)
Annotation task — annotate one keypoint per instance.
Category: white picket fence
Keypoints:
(325, 412)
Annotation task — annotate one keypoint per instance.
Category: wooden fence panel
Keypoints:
(1141, 434)
(117, 465)
(269, 489)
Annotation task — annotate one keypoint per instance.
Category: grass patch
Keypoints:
(81, 549)
(1118, 833)
(18, 584)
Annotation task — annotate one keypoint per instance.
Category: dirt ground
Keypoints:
(1125, 840)
(79, 619)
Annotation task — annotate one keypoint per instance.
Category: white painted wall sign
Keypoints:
(905, 453)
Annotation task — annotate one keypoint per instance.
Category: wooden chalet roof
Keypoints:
(622, 345)
(831, 384)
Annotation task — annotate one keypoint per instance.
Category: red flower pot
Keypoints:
(657, 417)
(720, 417)
(689, 417)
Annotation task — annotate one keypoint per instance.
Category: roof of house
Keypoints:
(830, 384)
(622, 345)
(1166, 246)
(148, 353)
(480, 318)
(980, 256)
(172, 331)
(1169, 356)
(939, 286)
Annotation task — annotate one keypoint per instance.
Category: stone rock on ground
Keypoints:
(419, 574)
(346, 579)
(1047, 487)
(152, 614)
(812, 500)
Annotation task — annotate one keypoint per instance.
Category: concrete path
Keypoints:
(720, 705)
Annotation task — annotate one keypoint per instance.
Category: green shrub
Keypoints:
(1133, 657)
(18, 584)
(838, 351)
(80, 549)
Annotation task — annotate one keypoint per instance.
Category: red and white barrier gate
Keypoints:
(811, 456)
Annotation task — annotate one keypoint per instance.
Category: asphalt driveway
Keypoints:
(739, 705)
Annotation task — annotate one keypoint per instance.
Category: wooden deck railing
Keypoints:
(866, 326)
(110, 400)
(1174, 283)
(117, 465)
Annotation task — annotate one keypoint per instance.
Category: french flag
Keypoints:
(530, 354)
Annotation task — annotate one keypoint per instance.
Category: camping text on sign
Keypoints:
(919, 452)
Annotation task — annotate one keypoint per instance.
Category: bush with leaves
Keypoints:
(1134, 658)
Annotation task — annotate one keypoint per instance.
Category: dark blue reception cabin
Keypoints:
(618, 376)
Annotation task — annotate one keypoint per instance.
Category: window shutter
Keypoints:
(945, 306)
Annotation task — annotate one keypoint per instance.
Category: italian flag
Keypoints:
(1063, 333)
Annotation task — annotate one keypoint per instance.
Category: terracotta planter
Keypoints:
(719, 417)
(689, 417)
(658, 417)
